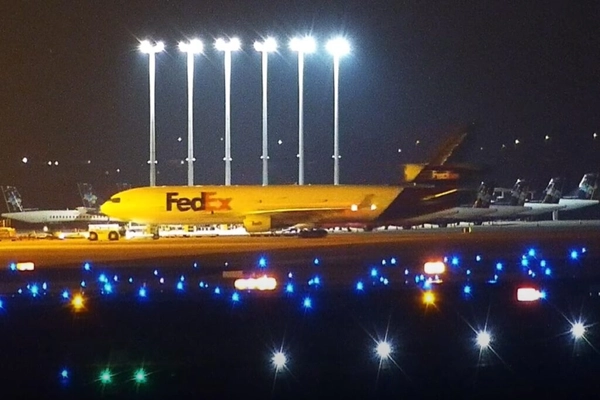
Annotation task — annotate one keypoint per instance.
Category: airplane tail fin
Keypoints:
(88, 197)
(485, 195)
(588, 187)
(13, 200)
(437, 171)
(519, 192)
(553, 191)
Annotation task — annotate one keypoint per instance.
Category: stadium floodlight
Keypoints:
(302, 46)
(194, 46)
(267, 46)
(151, 49)
(227, 47)
(337, 47)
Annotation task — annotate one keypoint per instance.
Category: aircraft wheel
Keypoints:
(93, 236)
(113, 236)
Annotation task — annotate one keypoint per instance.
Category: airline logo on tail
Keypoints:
(206, 202)
(13, 199)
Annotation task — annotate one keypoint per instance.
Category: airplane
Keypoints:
(16, 211)
(501, 204)
(427, 188)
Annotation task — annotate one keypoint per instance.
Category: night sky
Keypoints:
(74, 89)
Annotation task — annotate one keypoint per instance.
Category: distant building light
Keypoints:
(24, 160)
(517, 141)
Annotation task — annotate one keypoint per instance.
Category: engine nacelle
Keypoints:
(257, 223)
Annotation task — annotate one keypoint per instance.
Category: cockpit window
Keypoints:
(115, 199)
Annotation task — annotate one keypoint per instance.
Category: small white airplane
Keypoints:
(16, 211)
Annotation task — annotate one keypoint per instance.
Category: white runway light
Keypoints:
(279, 360)
(483, 339)
(578, 330)
(383, 349)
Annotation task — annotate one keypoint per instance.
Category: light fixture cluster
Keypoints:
(337, 46)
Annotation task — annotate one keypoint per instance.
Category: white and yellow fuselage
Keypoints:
(258, 208)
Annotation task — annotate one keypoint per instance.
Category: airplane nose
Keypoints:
(105, 208)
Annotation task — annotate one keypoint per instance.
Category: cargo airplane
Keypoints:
(428, 188)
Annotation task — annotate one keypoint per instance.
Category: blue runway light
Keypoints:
(393, 261)
(307, 302)
(65, 294)
(34, 290)
(548, 271)
(374, 272)
(130, 280)
(13, 266)
(289, 288)
(262, 262)
(385, 281)
(524, 262)
(64, 374)
(82, 284)
(316, 261)
(86, 266)
(478, 258)
(161, 281)
(108, 287)
(574, 255)
(406, 272)
(543, 263)
(195, 265)
(467, 289)
(455, 261)
(543, 294)
(217, 290)
(583, 250)
(531, 252)
(20, 291)
(44, 286)
(142, 292)
(499, 266)
(417, 279)
(179, 285)
(155, 272)
(290, 275)
(102, 278)
(182, 278)
(235, 297)
(468, 272)
(360, 286)
(383, 262)
(116, 278)
(201, 284)
(445, 260)
(1, 304)
(427, 285)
